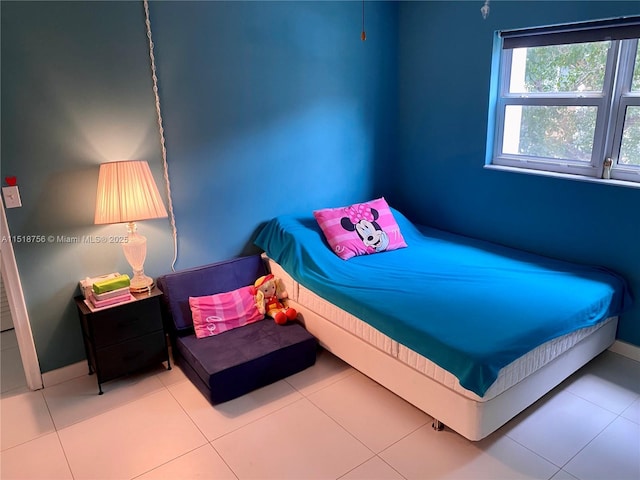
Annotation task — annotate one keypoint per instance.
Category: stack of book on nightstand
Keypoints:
(105, 293)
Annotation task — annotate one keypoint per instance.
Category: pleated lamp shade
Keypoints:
(127, 193)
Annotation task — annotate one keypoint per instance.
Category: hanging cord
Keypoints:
(363, 35)
(162, 143)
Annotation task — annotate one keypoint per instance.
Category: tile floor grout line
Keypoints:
(561, 467)
(191, 419)
(64, 452)
(224, 460)
(239, 427)
(332, 382)
(2, 450)
(342, 427)
(368, 460)
(127, 402)
(589, 443)
(391, 466)
(405, 436)
(602, 407)
(288, 405)
(57, 433)
(303, 398)
(169, 461)
(535, 453)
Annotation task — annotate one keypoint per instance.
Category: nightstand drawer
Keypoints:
(123, 338)
(129, 356)
(126, 321)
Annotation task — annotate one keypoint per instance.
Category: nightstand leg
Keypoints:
(167, 344)
(100, 392)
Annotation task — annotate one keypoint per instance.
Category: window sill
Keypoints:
(565, 176)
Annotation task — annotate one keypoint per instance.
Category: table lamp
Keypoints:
(128, 193)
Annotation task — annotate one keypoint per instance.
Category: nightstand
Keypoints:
(123, 338)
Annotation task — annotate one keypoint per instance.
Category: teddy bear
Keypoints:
(269, 293)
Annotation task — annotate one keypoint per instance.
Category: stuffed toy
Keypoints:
(269, 292)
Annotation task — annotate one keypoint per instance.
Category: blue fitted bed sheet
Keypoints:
(470, 306)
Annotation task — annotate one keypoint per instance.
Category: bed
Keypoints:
(468, 331)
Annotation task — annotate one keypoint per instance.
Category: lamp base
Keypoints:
(140, 283)
(135, 251)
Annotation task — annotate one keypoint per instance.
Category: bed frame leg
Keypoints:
(437, 425)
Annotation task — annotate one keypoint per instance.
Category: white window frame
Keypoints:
(611, 103)
(623, 98)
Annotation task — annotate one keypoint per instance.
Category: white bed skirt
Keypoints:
(433, 389)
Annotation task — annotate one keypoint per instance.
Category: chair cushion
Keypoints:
(241, 360)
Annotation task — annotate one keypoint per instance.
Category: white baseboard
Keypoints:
(63, 374)
(626, 349)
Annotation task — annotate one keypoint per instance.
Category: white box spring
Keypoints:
(430, 387)
(508, 376)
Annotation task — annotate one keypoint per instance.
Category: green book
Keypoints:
(111, 284)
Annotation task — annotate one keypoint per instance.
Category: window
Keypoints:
(566, 99)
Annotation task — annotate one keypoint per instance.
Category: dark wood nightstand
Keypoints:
(123, 338)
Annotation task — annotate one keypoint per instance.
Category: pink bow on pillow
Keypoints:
(359, 212)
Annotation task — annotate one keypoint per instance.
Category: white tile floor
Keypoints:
(326, 422)
(11, 372)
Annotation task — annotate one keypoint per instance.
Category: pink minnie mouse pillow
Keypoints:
(360, 229)
(214, 314)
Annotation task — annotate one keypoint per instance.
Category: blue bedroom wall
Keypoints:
(444, 72)
(76, 92)
(269, 108)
